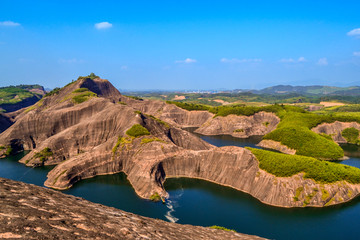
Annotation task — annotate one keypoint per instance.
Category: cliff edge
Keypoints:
(32, 212)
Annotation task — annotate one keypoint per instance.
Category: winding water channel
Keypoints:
(198, 202)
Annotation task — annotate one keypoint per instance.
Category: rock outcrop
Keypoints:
(277, 146)
(170, 113)
(32, 212)
(334, 129)
(240, 126)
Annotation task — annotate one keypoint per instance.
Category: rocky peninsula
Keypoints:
(32, 212)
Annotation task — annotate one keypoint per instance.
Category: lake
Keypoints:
(198, 202)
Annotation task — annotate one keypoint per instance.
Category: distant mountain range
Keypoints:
(310, 90)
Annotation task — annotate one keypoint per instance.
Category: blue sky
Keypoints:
(142, 45)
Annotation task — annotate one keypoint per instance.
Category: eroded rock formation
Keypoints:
(271, 144)
(170, 113)
(240, 126)
(89, 138)
(334, 129)
(32, 212)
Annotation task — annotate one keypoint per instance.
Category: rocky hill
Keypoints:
(13, 98)
(88, 128)
(32, 212)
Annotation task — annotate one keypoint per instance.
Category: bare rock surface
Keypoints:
(271, 144)
(334, 129)
(260, 123)
(32, 212)
(169, 112)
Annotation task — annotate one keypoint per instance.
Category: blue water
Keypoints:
(198, 202)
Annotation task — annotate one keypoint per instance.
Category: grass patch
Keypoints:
(351, 135)
(9, 150)
(298, 191)
(190, 106)
(309, 197)
(2, 147)
(137, 131)
(155, 197)
(55, 91)
(324, 194)
(265, 124)
(222, 228)
(83, 96)
(43, 154)
(115, 148)
(79, 90)
(238, 130)
(306, 142)
(329, 202)
(36, 105)
(136, 98)
(149, 140)
(283, 165)
(165, 124)
(92, 76)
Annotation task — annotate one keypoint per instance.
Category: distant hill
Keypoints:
(13, 98)
(310, 90)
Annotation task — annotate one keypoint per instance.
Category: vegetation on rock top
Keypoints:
(283, 165)
(43, 154)
(16, 94)
(222, 228)
(351, 135)
(137, 131)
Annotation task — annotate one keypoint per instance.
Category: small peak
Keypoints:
(92, 76)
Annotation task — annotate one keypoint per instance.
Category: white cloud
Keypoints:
(187, 60)
(356, 54)
(72, 60)
(9, 24)
(301, 59)
(103, 25)
(323, 62)
(355, 32)
(291, 60)
(235, 60)
(287, 60)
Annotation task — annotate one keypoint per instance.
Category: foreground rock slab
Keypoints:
(32, 212)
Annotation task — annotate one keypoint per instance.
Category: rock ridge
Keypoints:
(32, 212)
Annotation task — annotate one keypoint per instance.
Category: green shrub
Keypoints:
(190, 106)
(83, 96)
(222, 228)
(43, 154)
(79, 90)
(2, 147)
(149, 140)
(91, 76)
(239, 130)
(137, 131)
(283, 165)
(114, 149)
(306, 142)
(136, 98)
(155, 197)
(165, 124)
(350, 134)
(297, 193)
(53, 92)
(9, 151)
